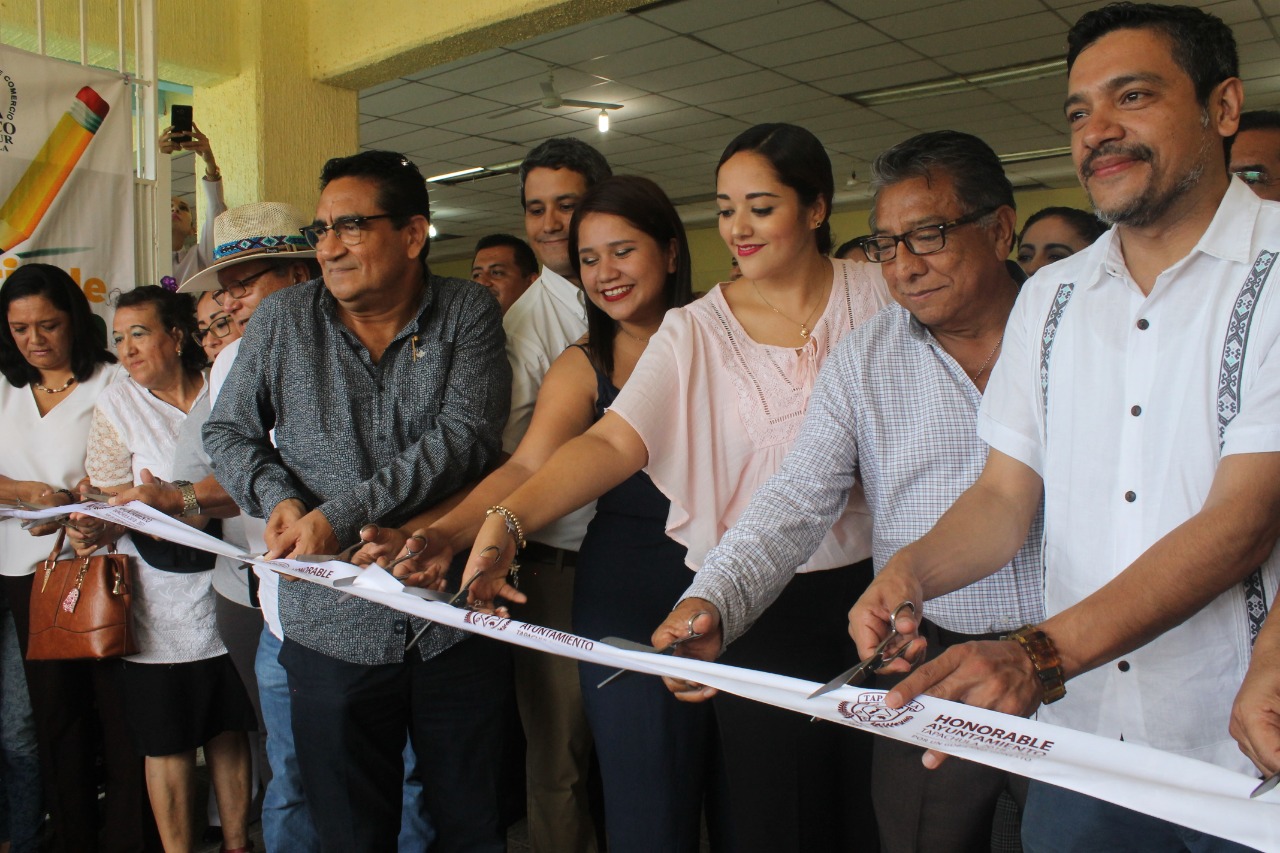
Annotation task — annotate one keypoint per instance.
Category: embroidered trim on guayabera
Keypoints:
(1059, 305)
(1229, 372)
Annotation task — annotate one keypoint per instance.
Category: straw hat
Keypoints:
(251, 231)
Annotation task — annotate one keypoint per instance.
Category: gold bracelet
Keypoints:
(1044, 659)
(514, 527)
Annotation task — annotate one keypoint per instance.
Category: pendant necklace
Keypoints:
(804, 327)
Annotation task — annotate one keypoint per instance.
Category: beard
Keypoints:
(1150, 204)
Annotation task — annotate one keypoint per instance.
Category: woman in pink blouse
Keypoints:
(709, 413)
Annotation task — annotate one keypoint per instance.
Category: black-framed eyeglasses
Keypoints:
(350, 229)
(238, 289)
(219, 328)
(1253, 177)
(919, 241)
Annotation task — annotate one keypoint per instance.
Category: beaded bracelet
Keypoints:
(514, 527)
(1044, 659)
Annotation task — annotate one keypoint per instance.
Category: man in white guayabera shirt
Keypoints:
(1138, 391)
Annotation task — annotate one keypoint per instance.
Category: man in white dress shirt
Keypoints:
(547, 318)
(1136, 392)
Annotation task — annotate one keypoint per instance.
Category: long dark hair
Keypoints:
(88, 343)
(642, 203)
(800, 162)
(176, 311)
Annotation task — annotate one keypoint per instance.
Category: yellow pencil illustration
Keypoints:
(39, 185)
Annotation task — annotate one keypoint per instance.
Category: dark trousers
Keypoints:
(794, 785)
(349, 722)
(948, 810)
(79, 712)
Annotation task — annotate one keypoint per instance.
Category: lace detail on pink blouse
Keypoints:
(774, 383)
(718, 413)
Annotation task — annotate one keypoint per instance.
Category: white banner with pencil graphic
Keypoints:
(66, 172)
(1202, 796)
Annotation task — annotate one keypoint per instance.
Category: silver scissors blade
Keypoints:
(669, 649)
(458, 599)
(859, 671)
(1267, 784)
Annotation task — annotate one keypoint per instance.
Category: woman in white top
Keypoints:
(56, 363)
(709, 413)
(181, 690)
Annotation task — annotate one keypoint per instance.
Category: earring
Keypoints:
(179, 350)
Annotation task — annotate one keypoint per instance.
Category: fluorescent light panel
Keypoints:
(1036, 154)
(960, 83)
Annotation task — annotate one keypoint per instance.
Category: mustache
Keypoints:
(1135, 152)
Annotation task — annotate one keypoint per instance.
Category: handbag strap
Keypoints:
(57, 547)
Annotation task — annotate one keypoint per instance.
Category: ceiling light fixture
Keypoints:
(602, 121)
(447, 176)
(960, 83)
(1036, 154)
(432, 232)
(476, 173)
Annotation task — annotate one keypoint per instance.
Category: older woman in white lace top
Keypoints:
(181, 690)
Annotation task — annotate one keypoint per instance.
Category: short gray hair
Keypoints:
(975, 170)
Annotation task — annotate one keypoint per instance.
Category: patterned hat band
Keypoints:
(279, 243)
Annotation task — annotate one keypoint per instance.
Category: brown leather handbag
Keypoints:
(81, 608)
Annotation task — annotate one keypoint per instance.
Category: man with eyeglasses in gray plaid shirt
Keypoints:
(894, 413)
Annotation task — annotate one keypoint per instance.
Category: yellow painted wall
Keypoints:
(198, 44)
(711, 257)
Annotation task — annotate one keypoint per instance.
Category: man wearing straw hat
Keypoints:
(258, 250)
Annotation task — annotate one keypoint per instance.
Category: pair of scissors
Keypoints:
(857, 673)
(459, 599)
(668, 649)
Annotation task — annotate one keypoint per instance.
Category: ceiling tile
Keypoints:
(895, 75)
(671, 118)
(717, 67)
(723, 130)
(946, 17)
(729, 87)
(462, 106)
(401, 99)
(694, 16)
(505, 67)
(797, 113)
(1002, 35)
(650, 57)
(838, 40)
(383, 128)
(778, 98)
(420, 139)
(1011, 54)
(877, 56)
(870, 10)
(756, 30)
(532, 134)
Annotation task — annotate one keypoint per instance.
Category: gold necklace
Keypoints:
(70, 381)
(804, 327)
(636, 338)
(990, 356)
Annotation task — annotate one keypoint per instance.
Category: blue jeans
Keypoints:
(286, 820)
(20, 772)
(1056, 819)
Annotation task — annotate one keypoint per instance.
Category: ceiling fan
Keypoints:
(552, 100)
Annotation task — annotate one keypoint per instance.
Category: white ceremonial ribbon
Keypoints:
(1175, 788)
